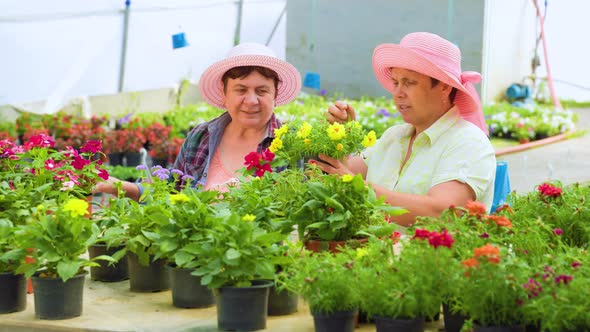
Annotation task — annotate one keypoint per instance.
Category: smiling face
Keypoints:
(418, 101)
(250, 100)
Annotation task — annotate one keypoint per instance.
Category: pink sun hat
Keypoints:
(250, 54)
(436, 57)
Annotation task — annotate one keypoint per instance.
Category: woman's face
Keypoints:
(250, 100)
(419, 103)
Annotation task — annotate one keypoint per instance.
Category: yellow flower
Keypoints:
(339, 147)
(357, 125)
(361, 252)
(369, 139)
(178, 198)
(304, 131)
(76, 207)
(249, 218)
(281, 131)
(276, 145)
(307, 141)
(336, 131)
(347, 178)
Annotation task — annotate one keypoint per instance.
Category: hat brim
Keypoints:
(387, 56)
(211, 86)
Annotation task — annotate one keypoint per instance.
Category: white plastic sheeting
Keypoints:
(59, 49)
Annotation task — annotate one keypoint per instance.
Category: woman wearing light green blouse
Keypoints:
(441, 156)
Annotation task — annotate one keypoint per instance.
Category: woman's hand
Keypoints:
(107, 186)
(331, 165)
(340, 112)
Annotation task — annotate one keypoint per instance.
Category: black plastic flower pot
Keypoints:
(337, 321)
(160, 161)
(132, 159)
(13, 292)
(386, 324)
(56, 299)
(282, 302)
(187, 291)
(512, 328)
(453, 321)
(105, 272)
(243, 308)
(115, 159)
(145, 279)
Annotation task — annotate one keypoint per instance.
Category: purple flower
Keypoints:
(323, 92)
(177, 171)
(558, 231)
(188, 177)
(125, 119)
(141, 168)
(484, 236)
(384, 112)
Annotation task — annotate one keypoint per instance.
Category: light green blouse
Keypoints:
(451, 149)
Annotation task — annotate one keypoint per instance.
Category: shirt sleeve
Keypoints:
(471, 161)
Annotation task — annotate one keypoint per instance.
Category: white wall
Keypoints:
(510, 30)
(567, 30)
(65, 48)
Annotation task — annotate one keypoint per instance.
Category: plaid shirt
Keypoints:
(198, 149)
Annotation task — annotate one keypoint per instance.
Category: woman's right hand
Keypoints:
(107, 186)
(340, 112)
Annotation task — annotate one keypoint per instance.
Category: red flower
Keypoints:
(40, 141)
(533, 288)
(103, 173)
(252, 160)
(262, 169)
(50, 164)
(563, 278)
(549, 190)
(575, 264)
(266, 155)
(435, 239)
(501, 221)
(79, 162)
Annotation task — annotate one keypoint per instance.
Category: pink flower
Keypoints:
(92, 146)
(576, 264)
(79, 162)
(252, 160)
(103, 174)
(558, 231)
(40, 141)
(50, 164)
(533, 288)
(549, 190)
(563, 278)
(266, 155)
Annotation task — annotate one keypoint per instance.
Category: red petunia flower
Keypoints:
(549, 190)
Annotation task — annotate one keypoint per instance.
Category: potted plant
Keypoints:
(400, 290)
(127, 143)
(159, 143)
(333, 210)
(329, 284)
(147, 274)
(491, 291)
(236, 260)
(299, 140)
(13, 293)
(179, 242)
(110, 219)
(557, 292)
(59, 234)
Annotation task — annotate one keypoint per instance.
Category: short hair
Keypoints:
(434, 82)
(243, 71)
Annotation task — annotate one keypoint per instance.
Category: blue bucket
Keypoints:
(501, 186)
(518, 91)
(312, 80)
(179, 40)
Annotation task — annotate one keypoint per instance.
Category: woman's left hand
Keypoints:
(331, 165)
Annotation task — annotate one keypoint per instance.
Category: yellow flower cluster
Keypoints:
(76, 207)
(276, 144)
(369, 139)
(336, 131)
(281, 131)
(249, 218)
(347, 178)
(304, 131)
(178, 198)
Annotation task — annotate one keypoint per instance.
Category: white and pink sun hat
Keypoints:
(433, 56)
(250, 54)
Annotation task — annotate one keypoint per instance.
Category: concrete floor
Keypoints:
(112, 307)
(567, 161)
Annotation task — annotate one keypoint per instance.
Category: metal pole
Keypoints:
(274, 29)
(124, 46)
(238, 23)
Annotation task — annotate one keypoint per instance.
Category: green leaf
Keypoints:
(68, 269)
(232, 254)
(151, 235)
(206, 279)
(181, 258)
